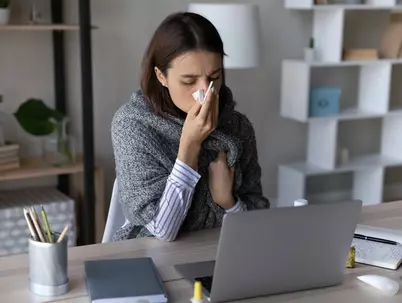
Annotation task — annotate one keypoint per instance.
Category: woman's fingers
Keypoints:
(195, 109)
(212, 116)
(216, 109)
(207, 106)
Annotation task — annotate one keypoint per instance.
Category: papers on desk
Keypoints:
(378, 246)
(378, 254)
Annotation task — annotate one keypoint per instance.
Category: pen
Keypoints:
(358, 236)
(49, 232)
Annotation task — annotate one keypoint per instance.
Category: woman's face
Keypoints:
(188, 73)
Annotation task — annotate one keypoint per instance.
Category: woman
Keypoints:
(182, 165)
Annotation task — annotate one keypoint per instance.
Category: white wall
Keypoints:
(118, 46)
(26, 70)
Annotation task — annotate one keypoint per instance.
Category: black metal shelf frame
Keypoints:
(87, 211)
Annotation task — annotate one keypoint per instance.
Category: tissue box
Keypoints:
(324, 101)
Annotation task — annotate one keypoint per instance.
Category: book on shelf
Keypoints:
(9, 166)
(9, 157)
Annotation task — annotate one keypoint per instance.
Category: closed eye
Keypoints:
(189, 83)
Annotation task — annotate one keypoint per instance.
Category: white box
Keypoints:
(14, 231)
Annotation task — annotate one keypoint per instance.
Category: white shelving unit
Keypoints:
(373, 101)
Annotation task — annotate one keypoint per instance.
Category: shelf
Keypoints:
(356, 114)
(372, 89)
(34, 168)
(345, 63)
(372, 92)
(357, 164)
(374, 5)
(348, 7)
(41, 27)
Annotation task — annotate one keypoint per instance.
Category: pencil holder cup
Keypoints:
(48, 267)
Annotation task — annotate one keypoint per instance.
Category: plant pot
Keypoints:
(4, 16)
(309, 54)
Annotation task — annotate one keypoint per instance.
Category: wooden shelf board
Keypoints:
(356, 114)
(41, 27)
(33, 168)
(348, 7)
(356, 164)
(345, 63)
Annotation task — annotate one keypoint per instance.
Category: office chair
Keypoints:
(115, 217)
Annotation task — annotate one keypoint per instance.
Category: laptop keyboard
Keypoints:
(206, 282)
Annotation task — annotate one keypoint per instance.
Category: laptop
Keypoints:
(278, 250)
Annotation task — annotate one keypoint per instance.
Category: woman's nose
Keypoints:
(204, 84)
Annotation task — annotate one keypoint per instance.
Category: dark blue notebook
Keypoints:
(124, 280)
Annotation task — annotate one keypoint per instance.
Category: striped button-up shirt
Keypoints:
(176, 201)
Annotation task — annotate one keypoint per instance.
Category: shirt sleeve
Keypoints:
(175, 202)
(238, 207)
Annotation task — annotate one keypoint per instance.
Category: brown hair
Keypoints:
(177, 34)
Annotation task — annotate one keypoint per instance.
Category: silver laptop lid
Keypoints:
(279, 250)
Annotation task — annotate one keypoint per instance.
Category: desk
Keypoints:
(199, 246)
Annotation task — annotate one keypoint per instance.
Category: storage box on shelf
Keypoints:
(37, 168)
(373, 101)
(14, 233)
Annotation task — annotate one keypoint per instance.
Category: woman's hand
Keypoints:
(201, 121)
(221, 179)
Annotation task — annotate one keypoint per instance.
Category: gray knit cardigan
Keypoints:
(145, 148)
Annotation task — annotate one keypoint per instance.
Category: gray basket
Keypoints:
(14, 233)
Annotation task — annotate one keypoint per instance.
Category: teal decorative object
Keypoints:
(324, 101)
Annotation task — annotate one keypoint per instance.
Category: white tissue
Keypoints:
(199, 96)
(381, 283)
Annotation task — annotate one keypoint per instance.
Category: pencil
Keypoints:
(37, 219)
(62, 234)
(30, 226)
(36, 224)
(48, 231)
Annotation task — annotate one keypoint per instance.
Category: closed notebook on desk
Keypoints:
(124, 280)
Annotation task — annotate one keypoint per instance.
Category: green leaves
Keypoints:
(36, 118)
(4, 3)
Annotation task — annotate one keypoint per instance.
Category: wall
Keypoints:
(118, 46)
(26, 70)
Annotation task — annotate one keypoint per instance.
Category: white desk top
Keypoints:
(199, 246)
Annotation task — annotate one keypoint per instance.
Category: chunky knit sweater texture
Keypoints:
(145, 147)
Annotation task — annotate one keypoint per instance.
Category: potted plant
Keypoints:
(37, 119)
(309, 52)
(4, 11)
